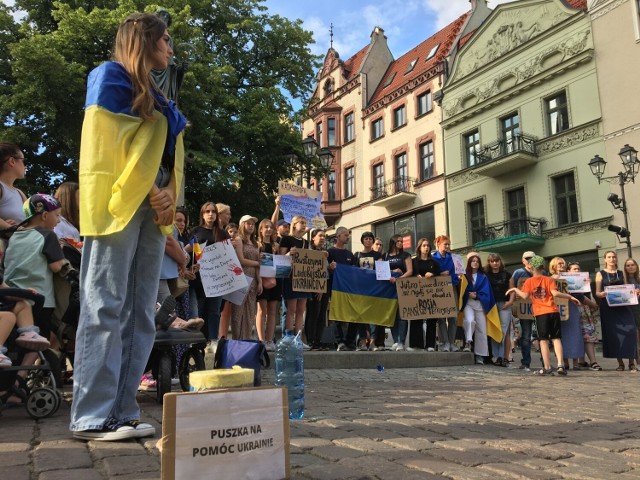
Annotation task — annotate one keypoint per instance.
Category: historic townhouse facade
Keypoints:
(381, 119)
(618, 61)
(522, 119)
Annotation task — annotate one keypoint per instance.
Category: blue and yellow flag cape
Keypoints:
(120, 154)
(357, 297)
(485, 295)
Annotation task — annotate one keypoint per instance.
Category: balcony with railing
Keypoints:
(510, 235)
(507, 155)
(393, 192)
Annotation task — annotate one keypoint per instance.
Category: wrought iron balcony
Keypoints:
(507, 155)
(510, 235)
(394, 191)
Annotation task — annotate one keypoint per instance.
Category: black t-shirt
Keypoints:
(422, 267)
(499, 284)
(289, 241)
(398, 261)
(367, 259)
(341, 256)
(203, 235)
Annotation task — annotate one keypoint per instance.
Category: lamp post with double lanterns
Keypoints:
(629, 157)
(316, 161)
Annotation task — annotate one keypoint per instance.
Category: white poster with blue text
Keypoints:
(297, 200)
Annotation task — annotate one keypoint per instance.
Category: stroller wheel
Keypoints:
(164, 376)
(42, 402)
(191, 361)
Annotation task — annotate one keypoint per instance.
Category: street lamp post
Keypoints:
(312, 155)
(629, 157)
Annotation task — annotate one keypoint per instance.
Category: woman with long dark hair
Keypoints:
(399, 262)
(501, 281)
(269, 298)
(426, 267)
(474, 298)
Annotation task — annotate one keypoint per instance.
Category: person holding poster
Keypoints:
(296, 302)
(426, 267)
(206, 233)
(619, 339)
(632, 276)
(243, 316)
(131, 164)
(572, 343)
(269, 298)
(399, 263)
(543, 290)
(447, 326)
(501, 281)
(317, 305)
(587, 326)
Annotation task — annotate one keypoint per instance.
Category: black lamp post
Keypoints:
(313, 155)
(629, 157)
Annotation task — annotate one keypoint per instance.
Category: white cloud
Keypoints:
(447, 11)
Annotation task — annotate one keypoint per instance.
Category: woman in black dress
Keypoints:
(618, 324)
(426, 267)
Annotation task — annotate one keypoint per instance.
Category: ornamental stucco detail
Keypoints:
(577, 229)
(524, 71)
(568, 139)
(465, 177)
(516, 27)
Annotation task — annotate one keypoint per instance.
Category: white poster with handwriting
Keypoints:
(220, 270)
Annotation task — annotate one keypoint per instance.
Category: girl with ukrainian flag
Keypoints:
(131, 163)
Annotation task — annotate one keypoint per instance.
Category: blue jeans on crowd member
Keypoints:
(209, 311)
(119, 277)
(526, 327)
(399, 330)
(497, 349)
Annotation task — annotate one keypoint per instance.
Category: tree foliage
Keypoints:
(244, 66)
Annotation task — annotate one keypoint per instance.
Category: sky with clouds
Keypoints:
(406, 23)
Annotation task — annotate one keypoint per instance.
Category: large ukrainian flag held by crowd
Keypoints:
(485, 295)
(357, 297)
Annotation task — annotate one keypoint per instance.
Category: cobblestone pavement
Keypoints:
(471, 422)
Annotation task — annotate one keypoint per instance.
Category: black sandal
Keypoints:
(561, 370)
(595, 366)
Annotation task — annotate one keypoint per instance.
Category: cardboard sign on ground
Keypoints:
(420, 298)
(234, 433)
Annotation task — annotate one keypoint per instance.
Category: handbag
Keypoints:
(177, 286)
(245, 353)
(268, 282)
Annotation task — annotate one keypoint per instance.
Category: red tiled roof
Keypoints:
(398, 70)
(352, 65)
(577, 4)
(465, 38)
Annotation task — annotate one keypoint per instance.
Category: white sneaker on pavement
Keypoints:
(447, 347)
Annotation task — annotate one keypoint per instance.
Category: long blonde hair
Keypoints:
(135, 43)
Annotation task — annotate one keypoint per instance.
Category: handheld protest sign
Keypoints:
(309, 271)
(420, 298)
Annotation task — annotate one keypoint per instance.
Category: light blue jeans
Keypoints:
(119, 278)
(505, 319)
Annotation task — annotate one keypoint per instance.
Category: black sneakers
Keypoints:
(115, 431)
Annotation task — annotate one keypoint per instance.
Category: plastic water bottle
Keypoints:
(290, 372)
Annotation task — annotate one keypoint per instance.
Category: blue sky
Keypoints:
(406, 22)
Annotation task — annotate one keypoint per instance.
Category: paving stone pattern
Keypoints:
(466, 422)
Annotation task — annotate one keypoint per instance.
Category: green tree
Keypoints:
(244, 66)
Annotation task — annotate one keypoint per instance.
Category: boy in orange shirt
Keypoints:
(543, 290)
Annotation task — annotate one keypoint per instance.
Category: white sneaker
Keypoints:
(270, 346)
(398, 347)
(411, 349)
(305, 346)
(431, 349)
(446, 348)
(454, 348)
